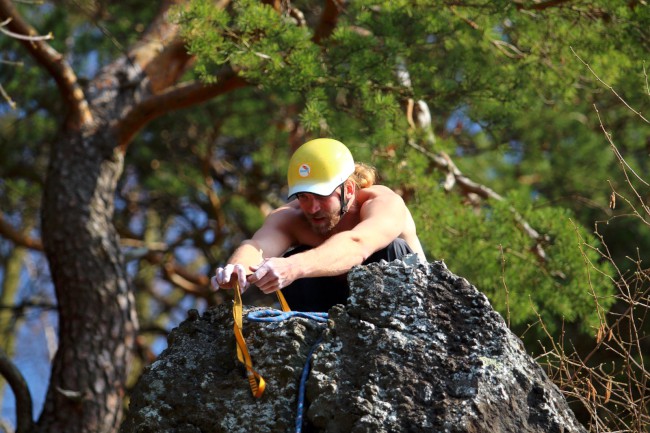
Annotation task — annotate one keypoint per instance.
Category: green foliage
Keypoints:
(251, 217)
(487, 246)
(511, 102)
(255, 40)
(513, 78)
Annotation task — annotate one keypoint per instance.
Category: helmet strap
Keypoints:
(344, 202)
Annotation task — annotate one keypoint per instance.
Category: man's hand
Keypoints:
(272, 274)
(226, 277)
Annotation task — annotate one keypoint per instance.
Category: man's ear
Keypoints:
(349, 189)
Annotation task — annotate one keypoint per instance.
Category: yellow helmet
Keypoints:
(319, 166)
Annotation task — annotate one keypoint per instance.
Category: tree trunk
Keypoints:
(97, 320)
(97, 316)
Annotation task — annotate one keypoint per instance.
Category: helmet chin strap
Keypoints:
(344, 202)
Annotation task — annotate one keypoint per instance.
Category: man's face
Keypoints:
(322, 212)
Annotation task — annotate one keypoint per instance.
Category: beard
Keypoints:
(324, 222)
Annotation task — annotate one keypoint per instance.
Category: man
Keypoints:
(336, 218)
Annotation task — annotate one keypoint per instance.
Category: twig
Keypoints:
(7, 98)
(610, 88)
(22, 37)
(618, 153)
(508, 49)
(51, 60)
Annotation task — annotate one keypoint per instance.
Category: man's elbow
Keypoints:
(251, 243)
(361, 250)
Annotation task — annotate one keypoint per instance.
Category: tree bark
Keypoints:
(97, 320)
(97, 316)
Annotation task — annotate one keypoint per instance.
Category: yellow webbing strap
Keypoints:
(255, 380)
(283, 302)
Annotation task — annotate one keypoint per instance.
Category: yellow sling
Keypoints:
(255, 380)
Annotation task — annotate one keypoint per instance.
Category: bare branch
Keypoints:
(469, 22)
(160, 52)
(154, 253)
(328, 19)
(197, 285)
(508, 49)
(51, 60)
(181, 96)
(20, 36)
(7, 98)
(9, 232)
(162, 55)
(444, 163)
(610, 88)
(19, 387)
(421, 124)
(620, 158)
(543, 5)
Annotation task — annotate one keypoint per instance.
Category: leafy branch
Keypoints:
(50, 59)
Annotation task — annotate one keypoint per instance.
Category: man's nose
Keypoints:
(313, 205)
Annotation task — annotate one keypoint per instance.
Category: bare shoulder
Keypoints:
(378, 202)
(280, 230)
(378, 193)
(286, 216)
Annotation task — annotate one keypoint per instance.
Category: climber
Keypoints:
(336, 218)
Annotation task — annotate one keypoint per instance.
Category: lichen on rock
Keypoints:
(415, 349)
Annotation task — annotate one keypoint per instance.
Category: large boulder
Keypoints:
(415, 349)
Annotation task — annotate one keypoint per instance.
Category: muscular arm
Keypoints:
(271, 240)
(381, 222)
(382, 219)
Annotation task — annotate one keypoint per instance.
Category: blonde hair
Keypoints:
(364, 175)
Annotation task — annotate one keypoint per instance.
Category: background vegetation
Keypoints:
(513, 129)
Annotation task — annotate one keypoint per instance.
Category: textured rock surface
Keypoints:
(416, 349)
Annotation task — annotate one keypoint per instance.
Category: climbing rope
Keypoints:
(279, 316)
(301, 388)
(255, 380)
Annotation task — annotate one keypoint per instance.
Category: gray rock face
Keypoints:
(416, 349)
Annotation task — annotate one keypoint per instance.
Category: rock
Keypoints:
(416, 349)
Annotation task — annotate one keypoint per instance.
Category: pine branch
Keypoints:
(455, 177)
(180, 96)
(418, 117)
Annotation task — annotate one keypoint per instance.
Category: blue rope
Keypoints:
(303, 382)
(278, 316)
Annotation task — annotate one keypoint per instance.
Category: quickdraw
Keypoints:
(255, 380)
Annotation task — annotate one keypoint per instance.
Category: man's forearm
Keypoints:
(247, 254)
(334, 257)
